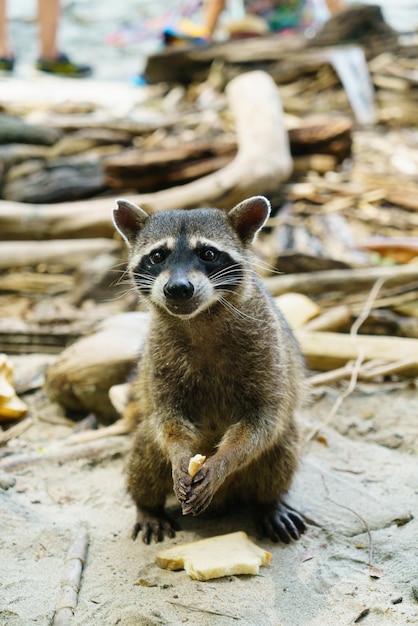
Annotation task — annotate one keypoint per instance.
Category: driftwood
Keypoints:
(262, 163)
(15, 153)
(81, 377)
(35, 283)
(69, 254)
(64, 452)
(330, 320)
(323, 350)
(152, 170)
(346, 281)
(14, 130)
(165, 167)
(70, 583)
(46, 336)
(15, 431)
(193, 63)
(332, 136)
(57, 182)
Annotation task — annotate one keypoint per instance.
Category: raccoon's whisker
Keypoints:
(226, 275)
(121, 276)
(226, 270)
(263, 265)
(235, 311)
(143, 275)
(229, 276)
(145, 282)
(144, 279)
(224, 283)
(121, 295)
(124, 279)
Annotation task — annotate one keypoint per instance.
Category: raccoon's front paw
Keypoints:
(182, 481)
(203, 487)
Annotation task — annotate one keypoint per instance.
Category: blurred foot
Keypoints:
(63, 66)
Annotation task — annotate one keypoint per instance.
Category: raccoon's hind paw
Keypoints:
(154, 524)
(279, 522)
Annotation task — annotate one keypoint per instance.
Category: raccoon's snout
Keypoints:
(178, 290)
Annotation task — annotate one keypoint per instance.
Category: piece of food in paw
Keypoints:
(223, 555)
(195, 464)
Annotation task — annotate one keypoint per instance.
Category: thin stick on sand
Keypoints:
(70, 583)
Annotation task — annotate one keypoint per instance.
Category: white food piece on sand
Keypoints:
(223, 555)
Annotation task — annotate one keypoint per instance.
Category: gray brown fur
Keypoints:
(223, 382)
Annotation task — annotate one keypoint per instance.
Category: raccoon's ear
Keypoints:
(248, 217)
(128, 220)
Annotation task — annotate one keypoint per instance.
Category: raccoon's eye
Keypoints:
(208, 254)
(158, 256)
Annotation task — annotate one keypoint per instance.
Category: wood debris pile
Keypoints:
(344, 230)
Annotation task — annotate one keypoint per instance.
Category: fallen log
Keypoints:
(15, 130)
(332, 136)
(261, 165)
(329, 138)
(34, 283)
(67, 253)
(166, 167)
(174, 64)
(21, 337)
(54, 182)
(62, 453)
(82, 375)
(327, 351)
(346, 280)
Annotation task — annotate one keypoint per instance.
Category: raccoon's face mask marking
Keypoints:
(185, 277)
(185, 262)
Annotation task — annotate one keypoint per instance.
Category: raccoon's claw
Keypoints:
(279, 522)
(201, 492)
(154, 524)
(197, 504)
(182, 482)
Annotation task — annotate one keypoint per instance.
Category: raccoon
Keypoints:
(220, 374)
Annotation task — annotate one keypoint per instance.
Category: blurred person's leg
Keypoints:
(48, 16)
(51, 59)
(6, 54)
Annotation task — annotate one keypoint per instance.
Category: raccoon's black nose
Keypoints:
(178, 290)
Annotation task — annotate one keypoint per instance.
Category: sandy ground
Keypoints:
(360, 477)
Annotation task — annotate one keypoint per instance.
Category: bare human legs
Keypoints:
(48, 17)
(50, 59)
